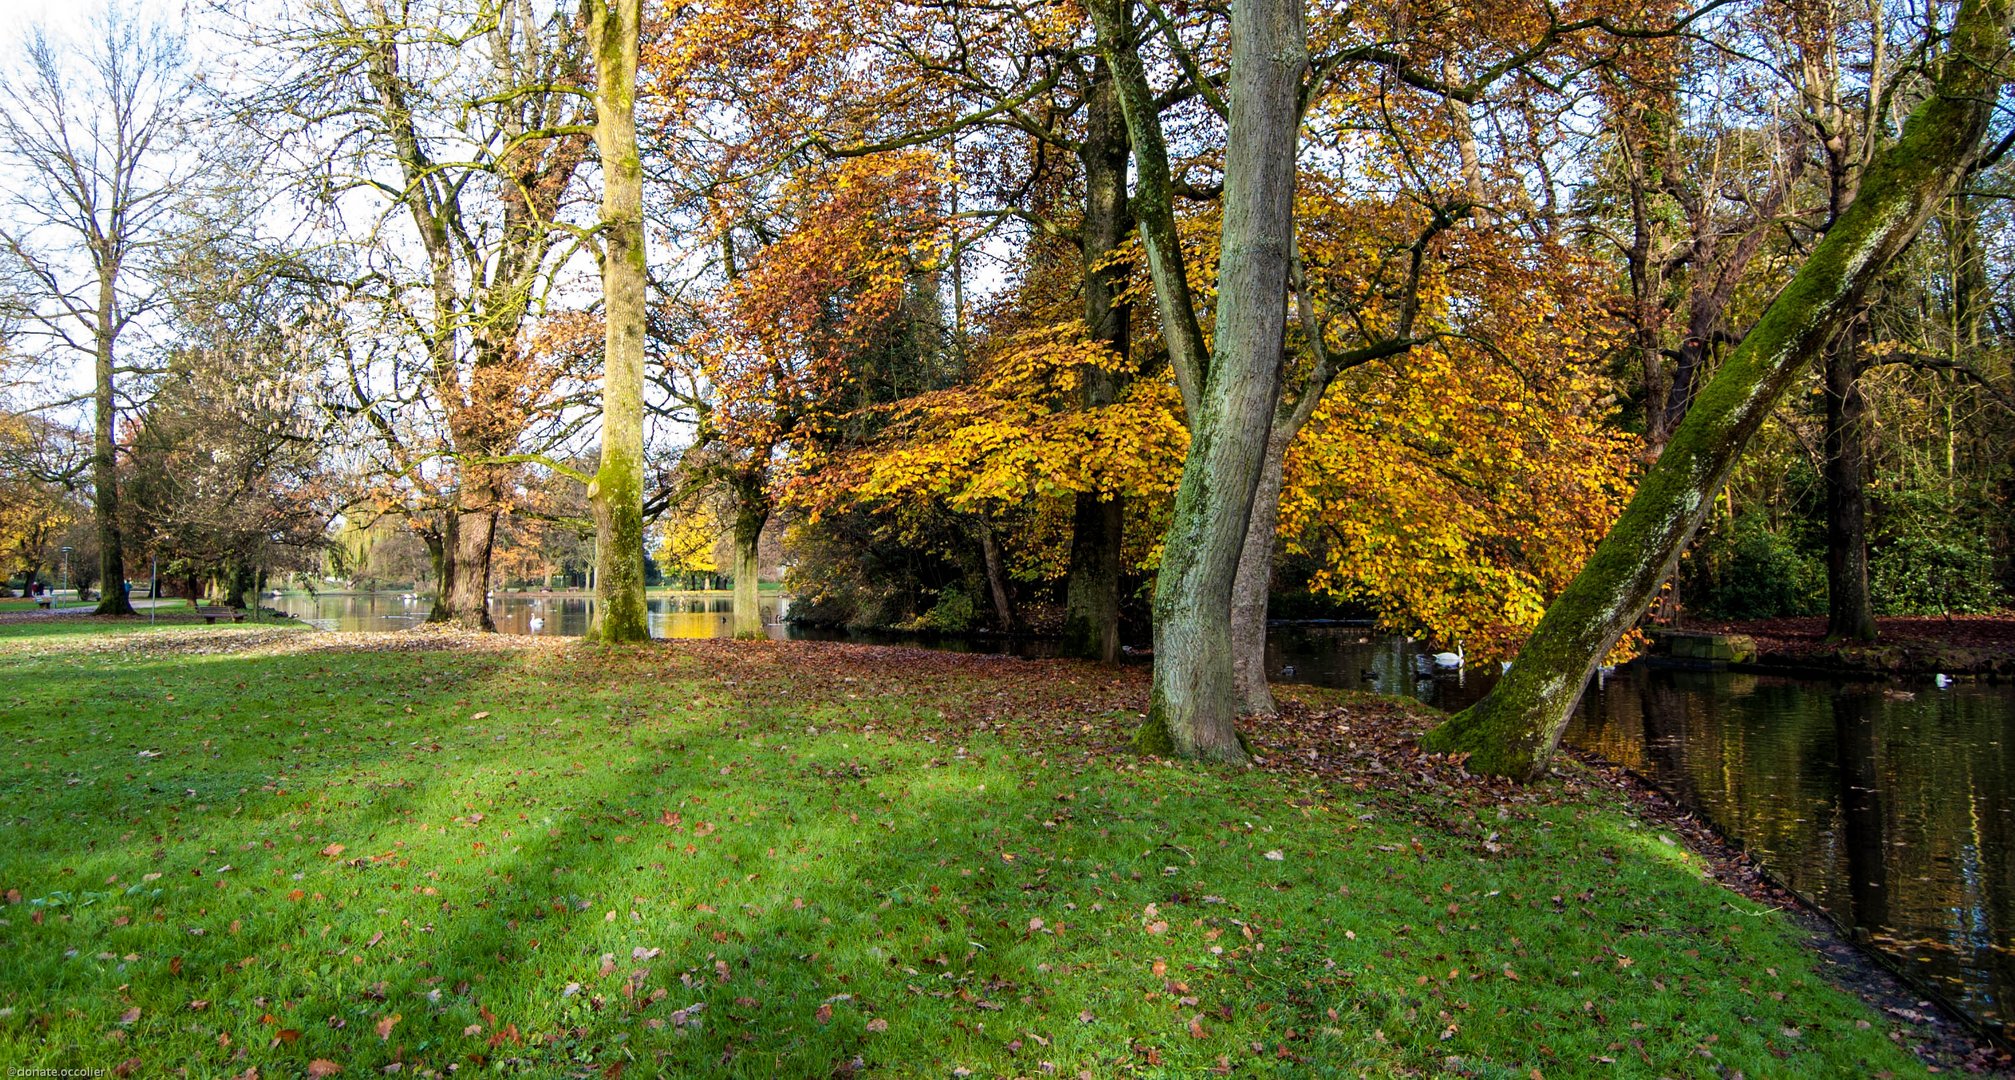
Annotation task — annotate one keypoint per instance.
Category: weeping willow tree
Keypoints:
(1514, 730)
(617, 492)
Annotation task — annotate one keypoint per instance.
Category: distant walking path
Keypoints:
(76, 608)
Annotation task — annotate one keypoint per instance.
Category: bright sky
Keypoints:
(16, 16)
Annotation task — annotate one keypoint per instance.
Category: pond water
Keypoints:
(1890, 805)
(672, 615)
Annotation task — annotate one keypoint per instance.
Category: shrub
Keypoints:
(1929, 562)
(1749, 571)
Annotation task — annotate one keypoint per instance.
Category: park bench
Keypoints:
(212, 614)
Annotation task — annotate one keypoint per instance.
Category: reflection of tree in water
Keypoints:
(1671, 715)
(1944, 760)
(1890, 810)
(1861, 821)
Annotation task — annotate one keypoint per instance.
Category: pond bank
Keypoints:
(802, 857)
(1946, 1033)
(1961, 646)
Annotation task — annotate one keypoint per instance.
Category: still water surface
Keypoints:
(1892, 806)
(673, 615)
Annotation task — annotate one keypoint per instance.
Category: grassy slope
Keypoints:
(337, 855)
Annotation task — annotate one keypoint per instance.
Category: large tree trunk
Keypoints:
(441, 548)
(1091, 594)
(1255, 579)
(465, 596)
(1514, 730)
(105, 463)
(240, 583)
(1850, 616)
(617, 493)
(1194, 698)
(751, 514)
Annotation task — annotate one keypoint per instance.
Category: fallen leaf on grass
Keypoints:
(878, 1024)
(386, 1025)
(333, 850)
(323, 1067)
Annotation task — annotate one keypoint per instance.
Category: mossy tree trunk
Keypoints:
(1193, 700)
(752, 512)
(1255, 578)
(441, 552)
(1514, 730)
(617, 492)
(1850, 613)
(1295, 408)
(1091, 593)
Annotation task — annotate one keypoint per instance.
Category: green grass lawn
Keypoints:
(807, 859)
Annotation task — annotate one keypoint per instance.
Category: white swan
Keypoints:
(1449, 661)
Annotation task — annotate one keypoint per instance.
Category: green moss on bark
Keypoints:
(1514, 730)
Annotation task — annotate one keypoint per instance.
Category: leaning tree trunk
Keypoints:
(1514, 730)
(105, 466)
(1091, 594)
(1850, 614)
(1194, 700)
(617, 492)
(1255, 578)
(750, 517)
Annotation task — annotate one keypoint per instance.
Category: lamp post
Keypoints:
(62, 579)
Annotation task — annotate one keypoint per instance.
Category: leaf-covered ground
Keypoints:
(245, 851)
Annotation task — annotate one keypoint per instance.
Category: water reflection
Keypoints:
(1890, 808)
(1361, 658)
(672, 615)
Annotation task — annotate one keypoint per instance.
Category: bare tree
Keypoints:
(459, 127)
(97, 141)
